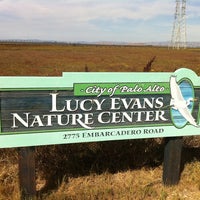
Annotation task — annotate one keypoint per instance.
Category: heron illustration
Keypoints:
(179, 103)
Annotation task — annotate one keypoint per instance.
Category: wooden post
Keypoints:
(27, 173)
(172, 160)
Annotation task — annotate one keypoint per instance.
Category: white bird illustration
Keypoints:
(179, 103)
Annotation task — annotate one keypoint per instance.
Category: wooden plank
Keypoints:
(27, 173)
(172, 160)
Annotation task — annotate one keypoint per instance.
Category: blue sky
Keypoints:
(95, 20)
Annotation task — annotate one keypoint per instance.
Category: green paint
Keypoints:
(110, 89)
(100, 107)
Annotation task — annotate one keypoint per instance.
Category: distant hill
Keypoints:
(164, 44)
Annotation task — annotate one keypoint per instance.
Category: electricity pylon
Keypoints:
(178, 39)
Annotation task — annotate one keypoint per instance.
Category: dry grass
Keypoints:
(52, 60)
(139, 184)
(136, 184)
(112, 170)
(9, 185)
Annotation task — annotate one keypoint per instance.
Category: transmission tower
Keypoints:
(179, 28)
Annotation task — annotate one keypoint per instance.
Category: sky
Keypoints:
(95, 20)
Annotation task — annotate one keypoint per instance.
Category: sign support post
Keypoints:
(27, 173)
(95, 107)
(172, 160)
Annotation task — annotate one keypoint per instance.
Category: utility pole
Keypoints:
(178, 39)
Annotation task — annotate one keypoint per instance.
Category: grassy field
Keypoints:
(52, 60)
(108, 170)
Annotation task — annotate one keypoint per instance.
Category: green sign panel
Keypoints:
(111, 89)
(88, 107)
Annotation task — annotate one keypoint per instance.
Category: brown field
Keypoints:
(108, 170)
(52, 60)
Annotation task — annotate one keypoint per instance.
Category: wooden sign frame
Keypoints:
(90, 107)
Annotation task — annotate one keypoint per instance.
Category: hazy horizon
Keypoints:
(130, 21)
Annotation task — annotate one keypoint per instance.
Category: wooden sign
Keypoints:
(88, 107)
